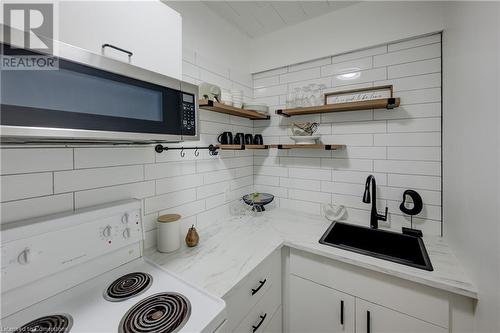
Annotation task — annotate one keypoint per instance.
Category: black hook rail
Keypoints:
(212, 149)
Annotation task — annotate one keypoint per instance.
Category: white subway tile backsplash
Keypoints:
(68, 181)
(414, 125)
(167, 185)
(303, 162)
(162, 170)
(15, 187)
(414, 153)
(29, 208)
(302, 184)
(303, 206)
(430, 139)
(424, 81)
(271, 91)
(317, 174)
(357, 177)
(347, 116)
(266, 180)
(103, 157)
(349, 139)
(400, 147)
(212, 189)
(414, 68)
(408, 167)
(25, 160)
(429, 197)
(360, 54)
(313, 196)
(359, 127)
(410, 111)
(374, 153)
(310, 64)
(266, 82)
(403, 56)
(347, 164)
(420, 96)
(347, 66)
(272, 72)
(98, 196)
(369, 75)
(414, 42)
(418, 182)
(302, 75)
(169, 200)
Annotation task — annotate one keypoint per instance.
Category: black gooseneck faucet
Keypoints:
(374, 217)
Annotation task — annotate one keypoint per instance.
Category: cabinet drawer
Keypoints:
(275, 324)
(250, 290)
(261, 314)
(422, 302)
(373, 318)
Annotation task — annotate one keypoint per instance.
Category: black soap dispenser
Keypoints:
(417, 208)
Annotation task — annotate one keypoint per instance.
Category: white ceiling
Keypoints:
(256, 18)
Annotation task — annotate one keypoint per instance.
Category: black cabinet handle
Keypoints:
(368, 322)
(262, 318)
(341, 312)
(117, 48)
(254, 291)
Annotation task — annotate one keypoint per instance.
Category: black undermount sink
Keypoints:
(403, 249)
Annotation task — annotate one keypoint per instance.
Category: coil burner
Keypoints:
(58, 323)
(128, 286)
(159, 313)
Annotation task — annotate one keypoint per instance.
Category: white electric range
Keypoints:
(84, 272)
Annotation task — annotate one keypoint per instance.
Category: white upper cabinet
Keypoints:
(151, 30)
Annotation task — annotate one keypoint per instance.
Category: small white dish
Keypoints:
(305, 139)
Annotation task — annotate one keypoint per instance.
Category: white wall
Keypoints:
(471, 148)
(359, 26)
(401, 147)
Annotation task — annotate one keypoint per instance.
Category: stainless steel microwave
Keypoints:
(93, 98)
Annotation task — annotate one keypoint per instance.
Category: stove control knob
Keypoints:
(126, 233)
(24, 257)
(106, 232)
(125, 218)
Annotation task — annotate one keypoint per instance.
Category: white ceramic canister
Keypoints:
(168, 233)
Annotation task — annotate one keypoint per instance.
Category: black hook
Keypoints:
(196, 152)
(182, 152)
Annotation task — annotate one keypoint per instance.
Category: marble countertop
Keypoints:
(231, 248)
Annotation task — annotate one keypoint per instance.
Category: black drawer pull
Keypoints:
(368, 322)
(262, 318)
(254, 291)
(341, 312)
(117, 48)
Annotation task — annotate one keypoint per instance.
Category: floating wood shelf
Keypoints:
(308, 146)
(222, 108)
(281, 146)
(242, 147)
(383, 103)
(231, 147)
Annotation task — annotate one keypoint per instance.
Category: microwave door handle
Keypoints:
(130, 54)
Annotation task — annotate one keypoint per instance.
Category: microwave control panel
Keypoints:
(188, 114)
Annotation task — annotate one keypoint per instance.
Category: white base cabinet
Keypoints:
(254, 304)
(151, 30)
(373, 318)
(317, 287)
(316, 308)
